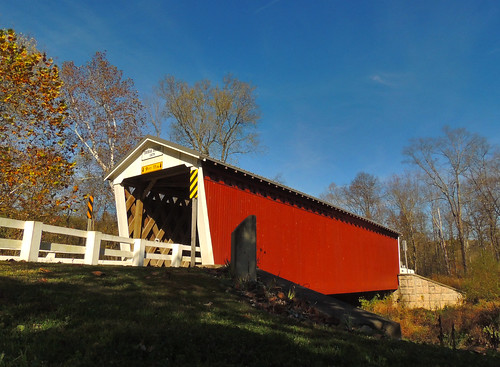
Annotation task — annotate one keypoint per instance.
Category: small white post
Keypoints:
(121, 215)
(194, 227)
(92, 248)
(31, 241)
(205, 240)
(176, 255)
(405, 248)
(139, 249)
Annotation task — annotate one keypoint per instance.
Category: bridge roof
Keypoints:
(174, 148)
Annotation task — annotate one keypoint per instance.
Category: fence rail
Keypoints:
(91, 251)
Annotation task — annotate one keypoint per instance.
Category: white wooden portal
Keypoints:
(151, 186)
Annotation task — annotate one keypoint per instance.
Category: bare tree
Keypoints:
(406, 206)
(156, 113)
(106, 117)
(484, 208)
(217, 121)
(105, 112)
(363, 196)
(445, 162)
(334, 195)
(438, 227)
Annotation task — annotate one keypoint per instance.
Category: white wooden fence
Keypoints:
(132, 251)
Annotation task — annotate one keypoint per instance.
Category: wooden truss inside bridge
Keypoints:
(159, 209)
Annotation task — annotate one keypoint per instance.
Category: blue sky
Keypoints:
(342, 85)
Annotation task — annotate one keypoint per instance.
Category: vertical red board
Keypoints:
(322, 253)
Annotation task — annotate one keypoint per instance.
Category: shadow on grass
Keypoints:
(61, 315)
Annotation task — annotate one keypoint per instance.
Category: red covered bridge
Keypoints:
(299, 238)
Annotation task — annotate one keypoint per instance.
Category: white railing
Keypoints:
(91, 249)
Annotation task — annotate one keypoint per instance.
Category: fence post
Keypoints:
(176, 255)
(92, 247)
(139, 248)
(31, 241)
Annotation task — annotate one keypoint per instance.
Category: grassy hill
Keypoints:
(68, 315)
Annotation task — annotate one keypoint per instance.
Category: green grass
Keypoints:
(64, 315)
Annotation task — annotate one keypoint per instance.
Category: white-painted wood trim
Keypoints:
(11, 223)
(118, 253)
(5, 258)
(119, 239)
(207, 254)
(92, 248)
(153, 256)
(188, 259)
(31, 246)
(121, 215)
(60, 260)
(8, 244)
(62, 248)
(31, 241)
(65, 231)
(139, 249)
(164, 245)
(176, 256)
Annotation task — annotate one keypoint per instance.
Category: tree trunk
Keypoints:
(439, 225)
(493, 234)
(414, 246)
(463, 242)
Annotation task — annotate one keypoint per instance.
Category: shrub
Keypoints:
(483, 279)
(467, 326)
(452, 281)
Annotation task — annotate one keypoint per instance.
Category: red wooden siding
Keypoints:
(305, 242)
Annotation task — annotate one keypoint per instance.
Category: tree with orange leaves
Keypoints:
(35, 154)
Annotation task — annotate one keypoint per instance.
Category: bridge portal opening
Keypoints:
(159, 208)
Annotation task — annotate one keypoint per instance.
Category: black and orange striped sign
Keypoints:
(193, 184)
(90, 207)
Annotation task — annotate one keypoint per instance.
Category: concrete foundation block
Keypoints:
(417, 291)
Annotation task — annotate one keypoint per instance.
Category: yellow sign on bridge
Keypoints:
(151, 167)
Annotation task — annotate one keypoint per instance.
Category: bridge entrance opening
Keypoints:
(159, 209)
